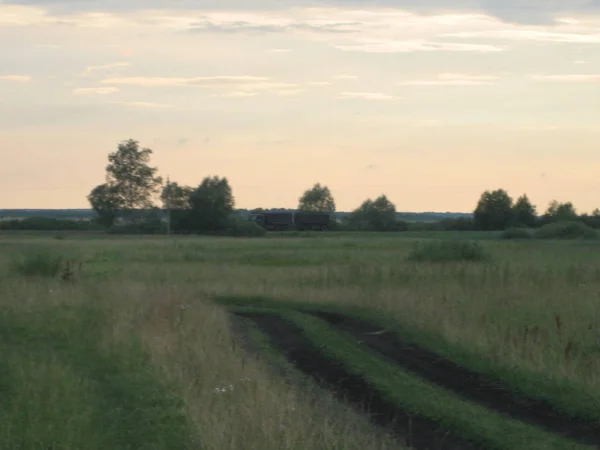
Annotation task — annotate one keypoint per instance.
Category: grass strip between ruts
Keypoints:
(470, 421)
(569, 397)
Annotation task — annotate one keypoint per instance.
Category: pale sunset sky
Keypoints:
(430, 102)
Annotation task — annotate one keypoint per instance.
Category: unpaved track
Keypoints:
(420, 433)
(492, 394)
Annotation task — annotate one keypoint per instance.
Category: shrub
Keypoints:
(243, 228)
(566, 230)
(39, 264)
(447, 251)
(516, 233)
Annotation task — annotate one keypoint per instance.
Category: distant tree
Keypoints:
(107, 203)
(211, 205)
(131, 176)
(374, 215)
(318, 198)
(524, 213)
(596, 212)
(494, 211)
(560, 211)
(258, 210)
(178, 196)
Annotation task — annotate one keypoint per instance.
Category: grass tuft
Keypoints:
(39, 265)
(447, 251)
(566, 230)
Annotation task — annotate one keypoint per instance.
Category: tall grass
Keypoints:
(530, 308)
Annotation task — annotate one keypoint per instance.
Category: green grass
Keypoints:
(471, 421)
(140, 327)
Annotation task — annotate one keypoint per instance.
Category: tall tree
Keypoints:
(374, 215)
(494, 210)
(106, 201)
(176, 196)
(560, 211)
(211, 204)
(524, 213)
(131, 176)
(318, 198)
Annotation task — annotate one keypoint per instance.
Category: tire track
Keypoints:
(419, 432)
(474, 386)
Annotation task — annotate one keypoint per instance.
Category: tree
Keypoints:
(106, 201)
(374, 215)
(211, 205)
(494, 211)
(318, 199)
(596, 212)
(131, 177)
(176, 196)
(560, 211)
(524, 213)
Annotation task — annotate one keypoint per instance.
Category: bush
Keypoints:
(447, 251)
(516, 233)
(243, 228)
(39, 264)
(566, 230)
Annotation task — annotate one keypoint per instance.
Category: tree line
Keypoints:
(134, 198)
(132, 185)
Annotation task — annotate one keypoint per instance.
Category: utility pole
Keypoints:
(168, 206)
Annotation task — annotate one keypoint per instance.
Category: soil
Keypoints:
(419, 432)
(476, 387)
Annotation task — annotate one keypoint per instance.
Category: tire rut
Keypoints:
(474, 386)
(419, 432)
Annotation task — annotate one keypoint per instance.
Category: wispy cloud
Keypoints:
(148, 105)
(452, 79)
(279, 50)
(213, 81)
(409, 46)
(104, 68)
(20, 78)
(238, 94)
(366, 96)
(95, 91)
(318, 83)
(530, 35)
(344, 77)
(279, 25)
(568, 78)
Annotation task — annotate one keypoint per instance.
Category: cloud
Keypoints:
(318, 83)
(237, 86)
(344, 77)
(238, 94)
(568, 78)
(579, 61)
(366, 96)
(95, 90)
(517, 11)
(112, 67)
(243, 26)
(452, 79)
(408, 46)
(148, 105)
(279, 50)
(20, 78)
(530, 35)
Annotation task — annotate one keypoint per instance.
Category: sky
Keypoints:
(429, 102)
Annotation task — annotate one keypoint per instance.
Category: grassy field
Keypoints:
(134, 343)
